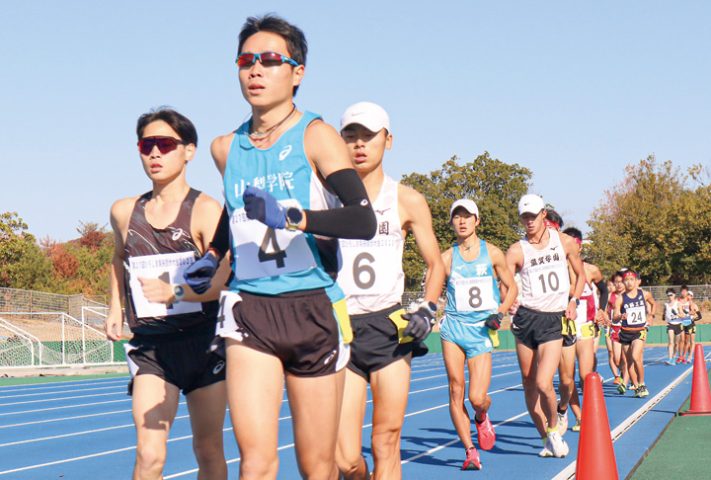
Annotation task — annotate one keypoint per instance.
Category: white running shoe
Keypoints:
(562, 423)
(557, 445)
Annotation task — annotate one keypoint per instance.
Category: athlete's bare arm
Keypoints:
(617, 315)
(572, 252)
(120, 216)
(219, 149)
(514, 262)
(498, 260)
(416, 217)
(650, 301)
(447, 261)
(325, 148)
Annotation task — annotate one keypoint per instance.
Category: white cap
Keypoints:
(690, 293)
(370, 115)
(467, 205)
(530, 204)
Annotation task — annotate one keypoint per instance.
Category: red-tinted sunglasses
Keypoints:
(267, 59)
(164, 144)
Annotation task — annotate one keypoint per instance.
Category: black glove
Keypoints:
(420, 322)
(199, 275)
(494, 321)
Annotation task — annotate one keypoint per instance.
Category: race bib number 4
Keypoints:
(261, 251)
(168, 267)
(474, 294)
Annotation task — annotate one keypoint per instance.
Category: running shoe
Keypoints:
(679, 360)
(472, 461)
(633, 387)
(576, 427)
(642, 391)
(670, 361)
(562, 423)
(617, 380)
(556, 445)
(621, 389)
(485, 433)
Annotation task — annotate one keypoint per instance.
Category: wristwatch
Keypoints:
(577, 301)
(178, 292)
(294, 216)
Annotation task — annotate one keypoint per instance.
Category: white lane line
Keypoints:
(61, 398)
(64, 407)
(569, 471)
(62, 419)
(41, 386)
(23, 395)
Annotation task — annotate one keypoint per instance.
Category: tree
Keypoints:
(655, 224)
(22, 263)
(494, 185)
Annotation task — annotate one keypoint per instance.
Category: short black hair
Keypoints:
(574, 232)
(294, 37)
(683, 287)
(554, 217)
(178, 122)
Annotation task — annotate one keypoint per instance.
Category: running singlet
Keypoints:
(472, 291)
(545, 282)
(636, 310)
(370, 271)
(587, 306)
(270, 261)
(684, 311)
(161, 253)
(671, 313)
(611, 309)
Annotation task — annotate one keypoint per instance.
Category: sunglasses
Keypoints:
(164, 144)
(267, 59)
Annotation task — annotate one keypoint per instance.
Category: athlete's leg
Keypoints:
(207, 418)
(611, 357)
(637, 354)
(671, 343)
(155, 402)
(479, 381)
(390, 386)
(548, 359)
(315, 408)
(454, 359)
(596, 345)
(692, 342)
(585, 351)
(566, 376)
(528, 362)
(621, 361)
(350, 428)
(254, 390)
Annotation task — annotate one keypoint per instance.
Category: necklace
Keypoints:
(263, 135)
(540, 239)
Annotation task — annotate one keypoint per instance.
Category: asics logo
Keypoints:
(330, 357)
(285, 152)
(177, 233)
(219, 367)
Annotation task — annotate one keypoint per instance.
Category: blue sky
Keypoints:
(572, 90)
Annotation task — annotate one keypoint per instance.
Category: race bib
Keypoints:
(261, 251)
(636, 316)
(168, 267)
(371, 270)
(226, 324)
(474, 294)
(582, 312)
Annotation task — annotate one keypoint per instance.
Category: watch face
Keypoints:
(294, 215)
(179, 291)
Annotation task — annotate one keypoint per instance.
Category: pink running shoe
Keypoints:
(486, 434)
(472, 462)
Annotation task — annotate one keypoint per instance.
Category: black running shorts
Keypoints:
(375, 343)
(629, 336)
(533, 328)
(676, 328)
(181, 359)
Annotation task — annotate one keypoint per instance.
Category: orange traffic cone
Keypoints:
(596, 457)
(700, 391)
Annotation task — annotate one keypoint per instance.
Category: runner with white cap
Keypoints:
(371, 276)
(474, 309)
(542, 258)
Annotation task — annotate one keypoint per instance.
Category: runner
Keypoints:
(473, 309)
(690, 327)
(542, 258)
(289, 322)
(674, 327)
(618, 364)
(632, 311)
(156, 236)
(372, 278)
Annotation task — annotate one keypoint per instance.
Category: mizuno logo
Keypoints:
(381, 212)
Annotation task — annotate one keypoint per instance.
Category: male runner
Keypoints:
(674, 327)
(542, 258)
(289, 322)
(689, 326)
(618, 365)
(473, 308)
(156, 236)
(372, 278)
(632, 311)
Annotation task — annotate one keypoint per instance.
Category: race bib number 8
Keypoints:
(261, 251)
(168, 267)
(474, 294)
(636, 316)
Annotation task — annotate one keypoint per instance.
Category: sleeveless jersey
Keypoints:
(161, 253)
(273, 261)
(545, 282)
(588, 305)
(611, 309)
(472, 291)
(636, 310)
(684, 310)
(672, 313)
(370, 272)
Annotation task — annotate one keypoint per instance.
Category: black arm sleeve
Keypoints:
(602, 287)
(221, 238)
(355, 220)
